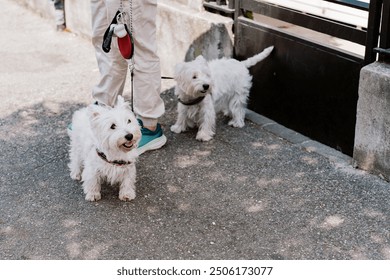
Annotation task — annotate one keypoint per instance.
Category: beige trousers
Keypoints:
(113, 68)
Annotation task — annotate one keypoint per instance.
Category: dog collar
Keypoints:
(114, 162)
(192, 102)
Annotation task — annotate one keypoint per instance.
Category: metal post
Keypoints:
(231, 4)
(378, 37)
(384, 34)
(374, 19)
(237, 13)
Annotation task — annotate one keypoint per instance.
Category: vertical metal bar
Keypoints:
(237, 13)
(374, 19)
(384, 33)
(385, 26)
(231, 4)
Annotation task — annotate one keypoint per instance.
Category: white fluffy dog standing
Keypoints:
(103, 148)
(206, 88)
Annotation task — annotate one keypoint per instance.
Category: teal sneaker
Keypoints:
(69, 129)
(151, 140)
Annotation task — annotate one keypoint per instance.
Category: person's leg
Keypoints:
(112, 66)
(59, 4)
(59, 14)
(148, 104)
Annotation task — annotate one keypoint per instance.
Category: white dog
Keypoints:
(206, 88)
(103, 148)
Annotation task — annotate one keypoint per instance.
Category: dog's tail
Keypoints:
(258, 57)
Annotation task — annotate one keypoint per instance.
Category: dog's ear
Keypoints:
(178, 69)
(200, 58)
(120, 102)
(95, 111)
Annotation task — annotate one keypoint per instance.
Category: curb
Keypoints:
(298, 139)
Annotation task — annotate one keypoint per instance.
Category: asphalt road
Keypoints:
(247, 194)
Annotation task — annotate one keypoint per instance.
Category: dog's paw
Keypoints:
(176, 128)
(127, 196)
(237, 123)
(203, 136)
(93, 196)
(75, 175)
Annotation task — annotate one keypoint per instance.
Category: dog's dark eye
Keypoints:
(113, 126)
(128, 121)
(194, 77)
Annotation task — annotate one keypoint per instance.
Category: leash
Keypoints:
(119, 26)
(128, 19)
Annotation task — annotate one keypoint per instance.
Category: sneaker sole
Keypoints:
(69, 131)
(153, 145)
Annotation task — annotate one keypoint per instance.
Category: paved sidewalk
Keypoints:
(247, 194)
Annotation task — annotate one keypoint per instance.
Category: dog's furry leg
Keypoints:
(207, 119)
(127, 187)
(237, 107)
(75, 164)
(181, 122)
(91, 184)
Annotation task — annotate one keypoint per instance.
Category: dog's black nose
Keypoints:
(206, 86)
(129, 137)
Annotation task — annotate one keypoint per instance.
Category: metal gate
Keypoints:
(308, 85)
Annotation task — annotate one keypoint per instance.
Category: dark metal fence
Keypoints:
(225, 7)
(378, 33)
(313, 22)
(376, 37)
(351, 3)
(308, 86)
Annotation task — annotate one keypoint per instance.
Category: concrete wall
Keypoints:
(372, 136)
(44, 8)
(78, 17)
(185, 29)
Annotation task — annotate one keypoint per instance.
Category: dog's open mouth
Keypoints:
(128, 145)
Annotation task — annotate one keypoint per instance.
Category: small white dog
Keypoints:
(103, 148)
(206, 88)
